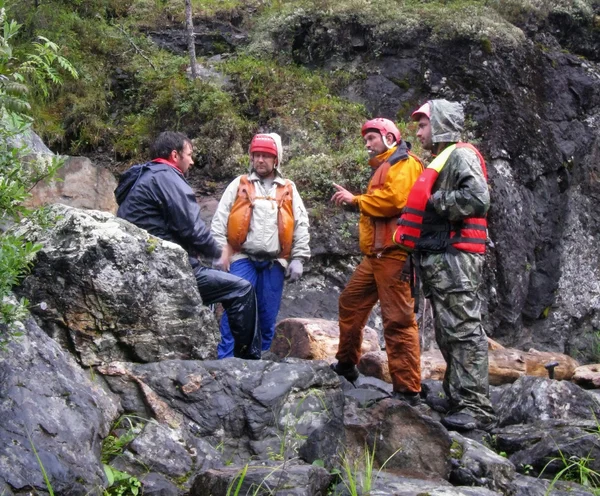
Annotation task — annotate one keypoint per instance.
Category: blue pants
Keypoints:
(267, 280)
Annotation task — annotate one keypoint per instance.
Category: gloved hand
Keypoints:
(294, 270)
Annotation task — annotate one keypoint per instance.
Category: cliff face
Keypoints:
(527, 72)
(532, 97)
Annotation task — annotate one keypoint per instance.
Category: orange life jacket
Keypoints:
(384, 227)
(240, 215)
(468, 235)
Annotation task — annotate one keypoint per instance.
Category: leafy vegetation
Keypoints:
(574, 469)
(23, 76)
(123, 432)
(121, 483)
(358, 475)
(130, 89)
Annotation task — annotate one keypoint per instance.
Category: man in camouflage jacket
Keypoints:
(451, 277)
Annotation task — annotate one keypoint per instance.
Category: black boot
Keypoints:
(347, 370)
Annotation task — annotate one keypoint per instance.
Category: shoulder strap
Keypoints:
(479, 156)
(282, 192)
(246, 188)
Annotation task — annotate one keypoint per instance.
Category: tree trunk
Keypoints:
(189, 27)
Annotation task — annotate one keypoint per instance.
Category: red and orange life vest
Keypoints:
(469, 235)
(240, 215)
(376, 232)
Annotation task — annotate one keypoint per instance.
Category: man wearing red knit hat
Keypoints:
(262, 225)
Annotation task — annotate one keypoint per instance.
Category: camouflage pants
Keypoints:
(451, 281)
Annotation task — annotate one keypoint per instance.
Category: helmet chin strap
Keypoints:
(384, 139)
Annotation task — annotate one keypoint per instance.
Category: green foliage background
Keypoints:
(130, 89)
(30, 74)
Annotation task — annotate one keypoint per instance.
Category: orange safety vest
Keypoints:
(469, 235)
(384, 227)
(238, 223)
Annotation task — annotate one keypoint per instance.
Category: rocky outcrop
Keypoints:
(531, 398)
(78, 183)
(107, 290)
(192, 425)
(54, 418)
(400, 437)
(246, 408)
(476, 465)
(532, 98)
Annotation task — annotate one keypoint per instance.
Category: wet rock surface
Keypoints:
(533, 110)
(110, 291)
(51, 409)
(190, 425)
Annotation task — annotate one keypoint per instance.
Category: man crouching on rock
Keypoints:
(444, 223)
(156, 197)
(380, 275)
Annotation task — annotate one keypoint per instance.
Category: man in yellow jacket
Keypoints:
(380, 274)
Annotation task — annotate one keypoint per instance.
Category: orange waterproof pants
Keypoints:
(381, 279)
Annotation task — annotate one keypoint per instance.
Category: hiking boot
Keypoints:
(346, 370)
(461, 421)
(440, 405)
(413, 399)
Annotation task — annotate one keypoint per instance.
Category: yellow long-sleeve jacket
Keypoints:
(394, 173)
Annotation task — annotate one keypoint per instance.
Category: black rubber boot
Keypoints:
(347, 370)
(413, 399)
(462, 421)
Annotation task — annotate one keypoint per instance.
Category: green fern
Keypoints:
(40, 70)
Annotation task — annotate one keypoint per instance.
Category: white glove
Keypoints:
(294, 270)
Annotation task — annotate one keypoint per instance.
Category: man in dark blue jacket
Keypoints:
(156, 197)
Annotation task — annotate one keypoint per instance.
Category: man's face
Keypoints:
(264, 164)
(424, 133)
(184, 159)
(374, 143)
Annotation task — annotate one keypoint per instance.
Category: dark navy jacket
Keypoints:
(157, 198)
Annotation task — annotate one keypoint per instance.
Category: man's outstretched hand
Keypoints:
(342, 196)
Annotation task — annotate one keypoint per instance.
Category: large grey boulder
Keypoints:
(402, 437)
(110, 291)
(243, 409)
(162, 455)
(50, 406)
(476, 465)
(31, 141)
(532, 399)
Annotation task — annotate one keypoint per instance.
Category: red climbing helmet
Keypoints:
(263, 143)
(382, 125)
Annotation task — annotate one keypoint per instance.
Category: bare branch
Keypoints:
(136, 48)
(189, 28)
